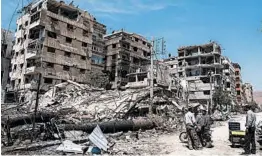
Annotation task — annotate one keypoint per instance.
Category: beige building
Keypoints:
(238, 82)
(57, 41)
(195, 63)
(126, 53)
(229, 78)
(6, 50)
(248, 93)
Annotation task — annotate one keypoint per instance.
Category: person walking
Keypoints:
(190, 122)
(250, 131)
(206, 128)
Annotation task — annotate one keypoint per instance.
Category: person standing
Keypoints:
(190, 122)
(250, 131)
(206, 128)
(200, 121)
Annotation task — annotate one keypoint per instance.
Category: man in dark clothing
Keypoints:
(190, 122)
(200, 120)
(250, 131)
(206, 128)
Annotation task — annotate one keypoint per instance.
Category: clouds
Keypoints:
(131, 7)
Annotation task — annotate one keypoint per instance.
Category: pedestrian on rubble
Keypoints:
(200, 121)
(208, 121)
(191, 125)
(250, 131)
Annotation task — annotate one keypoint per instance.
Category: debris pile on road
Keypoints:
(80, 108)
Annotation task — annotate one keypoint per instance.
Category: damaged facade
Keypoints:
(197, 64)
(126, 53)
(238, 80)
(58, 41)
(248, 93)
(229, 78)
(6, 50)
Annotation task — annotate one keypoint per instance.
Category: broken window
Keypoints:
(22, 51)
(207, 92)
(132, 79)
(113, 45)
(67, 54)
(97, 59)
(142, 77)
(26, 23)
(237, 85)
(70, 27)
(71, 14)
(135, 60)
(126, 46)
(40, 5)
(48, 80)
(20, 27)
(35, 17)
(50, 65)
(84, 44)
(33, 10)
(82, 71)
(238, 92)
(66, 68)
(25, 36)
(83, 57)
(237, 79)
(68, 40)
(52, 8)
(228, 84)
(135, 48)
(18, 40)
(51, 34)
(94, 37)
(85, 33)
(34, 33)
(144, 43)
(113, 57)
(51, 50)
(136, 39)
(26, 80)
(100, 35)
(21, 66)
(14, 68)
(237, 72)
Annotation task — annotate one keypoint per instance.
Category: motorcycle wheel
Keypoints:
(183, 137)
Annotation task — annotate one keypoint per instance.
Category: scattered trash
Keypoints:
(97, 137)
(70, 147)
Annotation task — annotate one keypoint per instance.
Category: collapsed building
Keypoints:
(201, 67)
(55, 42)
(126, 53)
(6, 50)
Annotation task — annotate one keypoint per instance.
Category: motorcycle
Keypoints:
(183, 137)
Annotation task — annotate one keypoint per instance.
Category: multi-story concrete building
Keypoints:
(126, 53)
(201, 67)
(229, 78)
(57, 41)
(6, 49)
(238, 81)
(248, 93)
(142, 76)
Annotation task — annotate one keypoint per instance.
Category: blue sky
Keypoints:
(235, 24)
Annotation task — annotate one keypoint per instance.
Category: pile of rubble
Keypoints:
(70, 106)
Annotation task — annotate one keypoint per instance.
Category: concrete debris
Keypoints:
(70, 147)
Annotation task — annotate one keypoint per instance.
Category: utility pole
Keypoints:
(151, 77)
(154, 51)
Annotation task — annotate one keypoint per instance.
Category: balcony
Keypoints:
(32, 70)
(32, 54)
(226, 70)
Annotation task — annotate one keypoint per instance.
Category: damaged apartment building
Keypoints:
(56, 42)
(238, 81)
(229, 78)
(126, 53)
(201, 66)
(6, 50)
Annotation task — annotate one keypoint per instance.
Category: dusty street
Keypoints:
(220, 142)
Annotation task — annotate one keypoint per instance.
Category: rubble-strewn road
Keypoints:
(220, 142)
